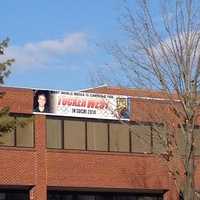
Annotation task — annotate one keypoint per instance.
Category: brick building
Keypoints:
(72, 158)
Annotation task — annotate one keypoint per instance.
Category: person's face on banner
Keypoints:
(41, 100)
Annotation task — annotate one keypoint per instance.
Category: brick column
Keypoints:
(39, 191)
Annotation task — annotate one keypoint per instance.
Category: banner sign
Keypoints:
(81, 104)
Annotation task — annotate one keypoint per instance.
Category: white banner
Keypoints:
(82, 104)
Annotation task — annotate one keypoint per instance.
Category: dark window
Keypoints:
(14, 195)
(59, 195)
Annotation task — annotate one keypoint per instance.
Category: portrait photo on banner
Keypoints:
(41, 101)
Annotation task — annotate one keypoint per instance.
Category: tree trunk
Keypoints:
(189, 191)
(189, 184)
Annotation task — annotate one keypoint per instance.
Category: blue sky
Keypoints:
(55, 43)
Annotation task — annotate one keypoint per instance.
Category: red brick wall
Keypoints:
(17, 166)
(105, 170)
(40, 167)
(18, 100)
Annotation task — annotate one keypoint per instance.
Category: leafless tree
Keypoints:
(165, 55)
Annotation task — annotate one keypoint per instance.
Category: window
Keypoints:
(60, 195)
(181, 141)
(22, 136)
(141, 138)
(97, 136)
(74, 134)
(54, 136)
(119, 137)
(159, 135)
(7, 139)
(14, 195)
(82, 134)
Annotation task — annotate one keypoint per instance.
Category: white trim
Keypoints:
(84, 90)
(153, 98)
(104, 85)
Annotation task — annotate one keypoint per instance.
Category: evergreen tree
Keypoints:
(7, 123)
